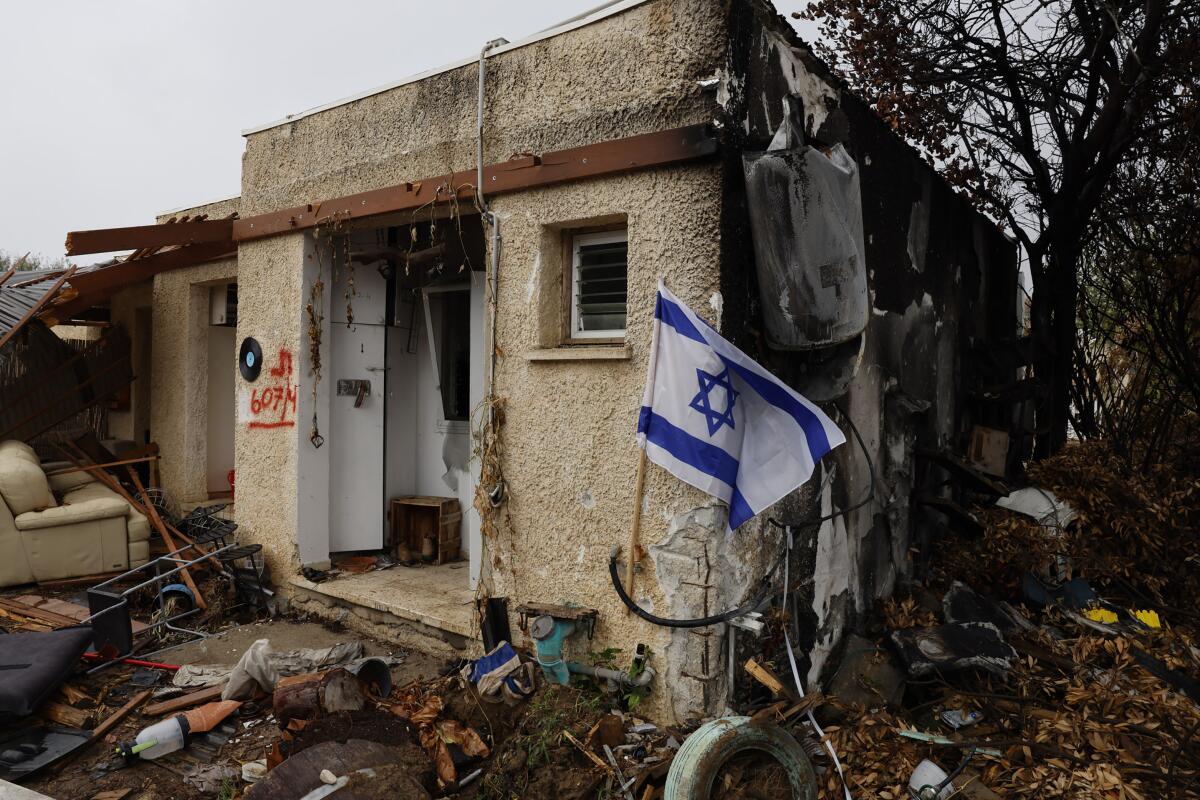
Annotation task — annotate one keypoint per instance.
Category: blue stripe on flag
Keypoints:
(699, 454)
(673, 315)
(818, 443)
(705, 457)
(773, 393)
(739, 510)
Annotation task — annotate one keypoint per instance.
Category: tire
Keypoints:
(699, 760)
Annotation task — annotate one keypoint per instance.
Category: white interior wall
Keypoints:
(430, 456)
(222, 361)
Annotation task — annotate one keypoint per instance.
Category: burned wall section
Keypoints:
(942, 284)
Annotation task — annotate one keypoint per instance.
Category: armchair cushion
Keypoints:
(23, 485)
(61, 484)
(69, 514)
(14, 447)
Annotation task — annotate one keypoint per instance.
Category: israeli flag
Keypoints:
(714, 418)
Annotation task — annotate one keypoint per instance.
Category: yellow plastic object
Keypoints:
(1101, 615)
(1148, 618)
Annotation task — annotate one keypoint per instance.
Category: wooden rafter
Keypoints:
(106, 240)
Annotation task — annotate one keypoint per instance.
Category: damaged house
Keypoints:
(422, 331)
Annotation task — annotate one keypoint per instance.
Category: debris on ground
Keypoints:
(1097, 702)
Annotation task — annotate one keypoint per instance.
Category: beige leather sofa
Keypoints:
(66, 526)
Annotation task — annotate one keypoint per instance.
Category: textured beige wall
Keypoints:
(632, 73)
(270, 308)
(179, 406)
(570, 455)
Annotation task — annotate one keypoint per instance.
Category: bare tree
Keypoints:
(1031, 106)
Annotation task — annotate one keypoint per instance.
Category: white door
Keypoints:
(358, 355)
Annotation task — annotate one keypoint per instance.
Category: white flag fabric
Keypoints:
(714, 418)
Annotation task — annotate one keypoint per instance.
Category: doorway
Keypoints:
(405, 371)
(221, 392)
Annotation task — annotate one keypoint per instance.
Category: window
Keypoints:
(599, 280)
(448, 333)
(454, 369)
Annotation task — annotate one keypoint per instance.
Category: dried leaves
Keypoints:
(1078, 717)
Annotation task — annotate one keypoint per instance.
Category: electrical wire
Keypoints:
(699, 622)
(841, 512)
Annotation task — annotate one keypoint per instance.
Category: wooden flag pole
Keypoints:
(636, 530)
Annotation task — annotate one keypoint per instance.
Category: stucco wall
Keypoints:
(570, 455)
(180, 368)
(569, 434)
(179, 362)
(632, 73)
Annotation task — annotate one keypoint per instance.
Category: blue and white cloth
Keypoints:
(714, 418)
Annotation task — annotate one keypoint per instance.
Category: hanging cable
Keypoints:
(699, 622)
(841, 512)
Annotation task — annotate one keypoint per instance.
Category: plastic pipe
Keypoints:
(615, 675)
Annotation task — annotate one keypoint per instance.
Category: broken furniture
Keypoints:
(111, 623)
(428, 527)
(93, 530)
(29, 750)
(32, 665)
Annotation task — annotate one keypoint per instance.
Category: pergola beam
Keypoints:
(99, 285)
(107, 240)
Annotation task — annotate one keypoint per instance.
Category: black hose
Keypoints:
(957, 771)
(699, 622)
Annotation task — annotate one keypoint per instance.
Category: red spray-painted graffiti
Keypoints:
(274, 405)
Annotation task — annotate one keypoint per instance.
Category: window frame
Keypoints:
(574, 240)
(435, 344)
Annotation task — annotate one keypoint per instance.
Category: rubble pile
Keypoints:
(1100, 700)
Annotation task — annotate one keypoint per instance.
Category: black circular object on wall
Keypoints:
(250, 359)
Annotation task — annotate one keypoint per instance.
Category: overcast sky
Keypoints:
(112, 112)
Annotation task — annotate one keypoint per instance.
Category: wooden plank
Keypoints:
(55, 620)
(74, 695)
(767, 678)
(69, 470)
(107, 240)
(121, 713)
(82, 580)
(184, 573)
(67, 715)
(98, 285)
(576, 163)
(205, 695)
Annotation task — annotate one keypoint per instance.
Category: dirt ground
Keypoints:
(250, 733)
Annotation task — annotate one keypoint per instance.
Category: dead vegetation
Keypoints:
(1082, 714)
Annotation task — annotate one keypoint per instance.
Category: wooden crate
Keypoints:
(413, 518)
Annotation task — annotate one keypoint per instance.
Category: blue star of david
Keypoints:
(701, 402)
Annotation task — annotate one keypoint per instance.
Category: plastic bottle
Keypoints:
(165, 736)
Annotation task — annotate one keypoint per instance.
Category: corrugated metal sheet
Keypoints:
(15, 302)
